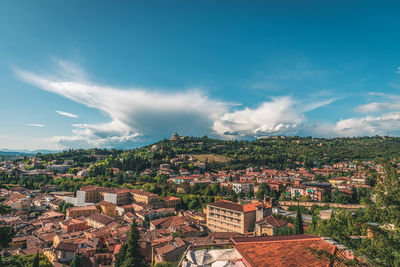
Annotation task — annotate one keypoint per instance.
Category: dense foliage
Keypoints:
(373, 233)
(26, 261)
(273, 152)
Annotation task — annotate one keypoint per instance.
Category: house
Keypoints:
(182, 179)
(268, 225)
(243, 187)
(144, 196)
(98, 220)
(172, 202)
(314, 191)
(171, 251)
(73, 225)
(64, 252)
(339, 181)
(107, 208)
(167, 222)
(85, 211)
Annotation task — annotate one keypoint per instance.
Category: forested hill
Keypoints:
(273, 152)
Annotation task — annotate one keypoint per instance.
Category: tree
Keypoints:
(4, 209)
(77, 261)
(6, 235)
(298, 223)
(194, 204)
(315, 219)
(1, 261)
(36, 260)
(133, 254)
(120, 258)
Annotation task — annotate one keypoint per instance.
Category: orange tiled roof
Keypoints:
(171, 198)
(283, 250)
(225, 204)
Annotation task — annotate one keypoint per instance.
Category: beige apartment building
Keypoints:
(227, 216)
(144, 197)
(85, 211)
(172, 202)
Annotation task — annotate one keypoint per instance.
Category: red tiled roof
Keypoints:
(283, 250)
(66, 246)
(225, 204)
(276, 222)
(169, 221)
(171, 198)
(250, 207)
(72, 221)
(105, 203)
(100, 218)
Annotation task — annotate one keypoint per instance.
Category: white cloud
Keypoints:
(138, 114)
(67, 114)
(391, 102)
(35, 124)
(134, 112)
(369, 125)
(270, 118)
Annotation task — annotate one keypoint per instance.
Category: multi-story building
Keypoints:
(314, 190)
(227, 216)
(243, 187)
(172, 202)
(107, 208)
(117, 196)
(99, 220)
(81, 211)
(73, 225)
(144, 197)
(94, 194)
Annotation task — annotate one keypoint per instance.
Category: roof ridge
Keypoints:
(276, 241)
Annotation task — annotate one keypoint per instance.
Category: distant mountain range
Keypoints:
(9, 152)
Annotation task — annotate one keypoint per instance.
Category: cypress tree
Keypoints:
(36, 260)
(77, 261)
(120, 258)
(1, 261)
(298, 223)
(133, 254)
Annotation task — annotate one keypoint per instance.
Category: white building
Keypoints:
(243, 187)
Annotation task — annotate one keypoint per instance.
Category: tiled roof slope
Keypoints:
(288, 251)
(225, 204)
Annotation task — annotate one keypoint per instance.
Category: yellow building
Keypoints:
(267, 226)
(172, 202)
(144, 197)
(98, 220)
(227, 216)
(81, 211)
(107, 208)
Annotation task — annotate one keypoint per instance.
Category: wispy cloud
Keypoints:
(276, 78)
(67, 114)
(35, 124)
(388, 102)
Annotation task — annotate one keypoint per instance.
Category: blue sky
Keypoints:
(96, 74)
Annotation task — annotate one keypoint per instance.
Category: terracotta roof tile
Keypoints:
(283, 250)
(225, 204)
